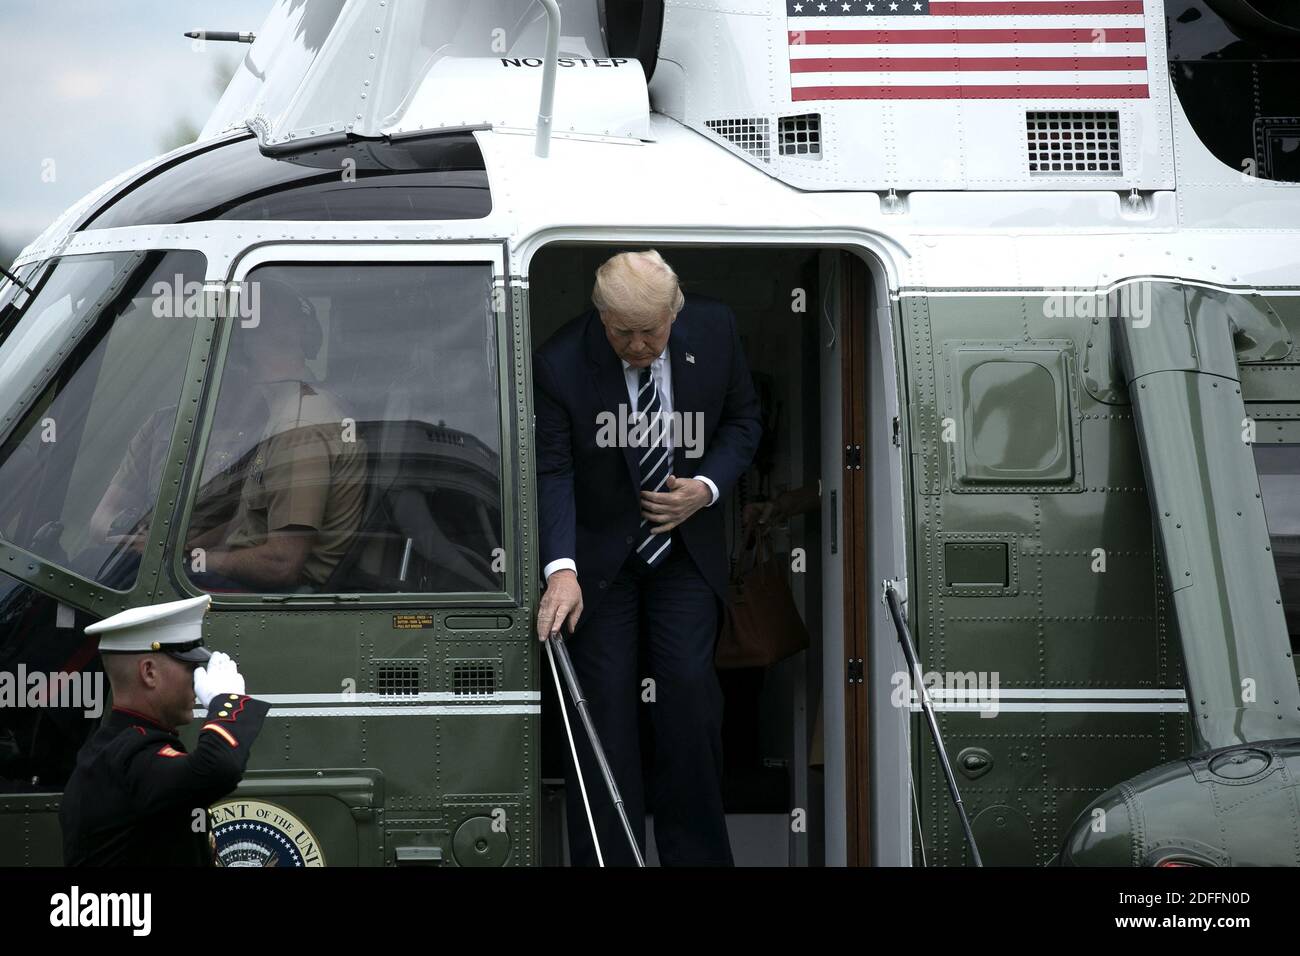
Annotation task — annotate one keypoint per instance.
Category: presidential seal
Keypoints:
(254, 833)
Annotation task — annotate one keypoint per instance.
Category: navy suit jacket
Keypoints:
(588, 495)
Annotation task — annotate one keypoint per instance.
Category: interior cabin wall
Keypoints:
(777, 296)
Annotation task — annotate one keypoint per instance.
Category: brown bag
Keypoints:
(762, 624)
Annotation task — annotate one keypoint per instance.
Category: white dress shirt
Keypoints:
(661, 370)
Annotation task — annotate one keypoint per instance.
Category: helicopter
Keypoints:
(1019, 285)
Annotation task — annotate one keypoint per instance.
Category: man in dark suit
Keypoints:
(646, 416)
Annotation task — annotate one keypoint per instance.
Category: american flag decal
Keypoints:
(933, 50)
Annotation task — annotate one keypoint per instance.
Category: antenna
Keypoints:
(221, 36)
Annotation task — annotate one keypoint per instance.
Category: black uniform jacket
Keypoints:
(132, 798)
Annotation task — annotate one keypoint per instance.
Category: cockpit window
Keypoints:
(440, 177)
(1279, 482)
(90, 376)
(355, 443)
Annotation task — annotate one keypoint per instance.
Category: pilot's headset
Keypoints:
(278, 301)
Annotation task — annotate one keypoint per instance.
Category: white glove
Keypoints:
(220, 677)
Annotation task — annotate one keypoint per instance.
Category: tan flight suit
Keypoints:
(303, 473)
(290, 467)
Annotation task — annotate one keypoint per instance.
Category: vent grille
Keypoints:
(472, 678)
(397, 680)
(749, 134)
(800, 135)
(1073, 143)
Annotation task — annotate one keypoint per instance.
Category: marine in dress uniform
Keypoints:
(137, 792)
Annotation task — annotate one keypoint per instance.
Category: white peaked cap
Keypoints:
(175, 628)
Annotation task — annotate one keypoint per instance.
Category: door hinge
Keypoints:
(852, 457)
(855, 670)
(897, 436)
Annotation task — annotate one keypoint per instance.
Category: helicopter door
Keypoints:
(353, 510)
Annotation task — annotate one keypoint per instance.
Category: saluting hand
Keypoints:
(665, 510)
(220, 677)
(562, 601)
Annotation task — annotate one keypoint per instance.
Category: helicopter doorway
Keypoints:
(795, 733)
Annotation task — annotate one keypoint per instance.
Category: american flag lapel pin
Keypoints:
(690, 359)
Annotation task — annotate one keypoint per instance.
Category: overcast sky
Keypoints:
(89, 88)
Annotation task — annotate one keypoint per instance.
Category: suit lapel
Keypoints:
(611, 385)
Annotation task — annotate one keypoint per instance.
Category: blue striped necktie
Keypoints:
(656, 462)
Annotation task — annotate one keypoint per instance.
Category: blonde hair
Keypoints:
(638, 285)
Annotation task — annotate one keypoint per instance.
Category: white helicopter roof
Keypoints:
(666, 171)
(821, 94)
(378, 67)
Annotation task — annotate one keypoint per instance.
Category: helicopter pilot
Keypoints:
(633, 544)
(283, 485)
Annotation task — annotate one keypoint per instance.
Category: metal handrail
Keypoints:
(547, 105)
(905, 638)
